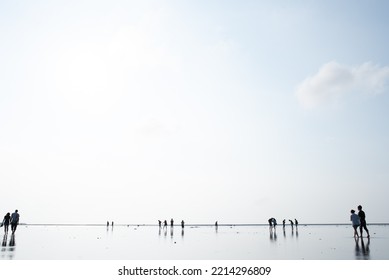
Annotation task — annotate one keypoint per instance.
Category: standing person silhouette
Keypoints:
(362, 218)
(6, 221)
(171, 222)
(14, 221)
(354, 218)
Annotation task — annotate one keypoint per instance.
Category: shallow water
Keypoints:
(313, 242)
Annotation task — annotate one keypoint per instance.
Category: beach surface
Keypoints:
(227, 242)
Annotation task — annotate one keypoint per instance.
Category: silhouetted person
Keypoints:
(164, 224)
(362, 220)
(354, 218)
(283, 223)
(14, 221)
(171, 222)
(216, 224)
(159, 223)
(296, 222)
(274, 222)
(6, 221)
(291, 223)
(112, 224)
(182, 223)
(270, 221)
(107, 224)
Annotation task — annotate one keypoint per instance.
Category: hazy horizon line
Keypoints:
(192, 224)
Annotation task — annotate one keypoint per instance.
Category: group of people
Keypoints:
(359, 221)
(10, 219)
(171, 223)
(273, 223)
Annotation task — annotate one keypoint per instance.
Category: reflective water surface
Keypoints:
(194, 242)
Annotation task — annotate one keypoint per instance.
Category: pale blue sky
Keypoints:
(233, 111)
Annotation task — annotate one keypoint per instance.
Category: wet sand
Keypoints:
(311, 242)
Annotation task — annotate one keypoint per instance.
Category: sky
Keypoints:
(203, 111)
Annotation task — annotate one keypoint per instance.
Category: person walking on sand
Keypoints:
(354, 218)
(171, 222)
(164, 224)
(6, 222)
(182, 224)
(362, 220)
(14, 221)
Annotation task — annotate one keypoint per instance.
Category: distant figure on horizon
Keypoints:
(159, 223)
(291, 223)
(164, 224)
(354, 218)
(14, 221)
(296, 222)
(182, 223)
(274, 222)
(216, 224)
(6, 222)
(171, 222)
(283, 223)
(107, 224)
(112, 224)
(362, 219)
(270, 221)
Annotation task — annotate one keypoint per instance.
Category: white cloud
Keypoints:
(334, 81)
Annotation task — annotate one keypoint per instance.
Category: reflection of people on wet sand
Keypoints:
(4, 244)
(362, 220)
(14, 221)
(6, 222)
(273, 235)
(12, 241)
(365, 249)
(354, 218)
